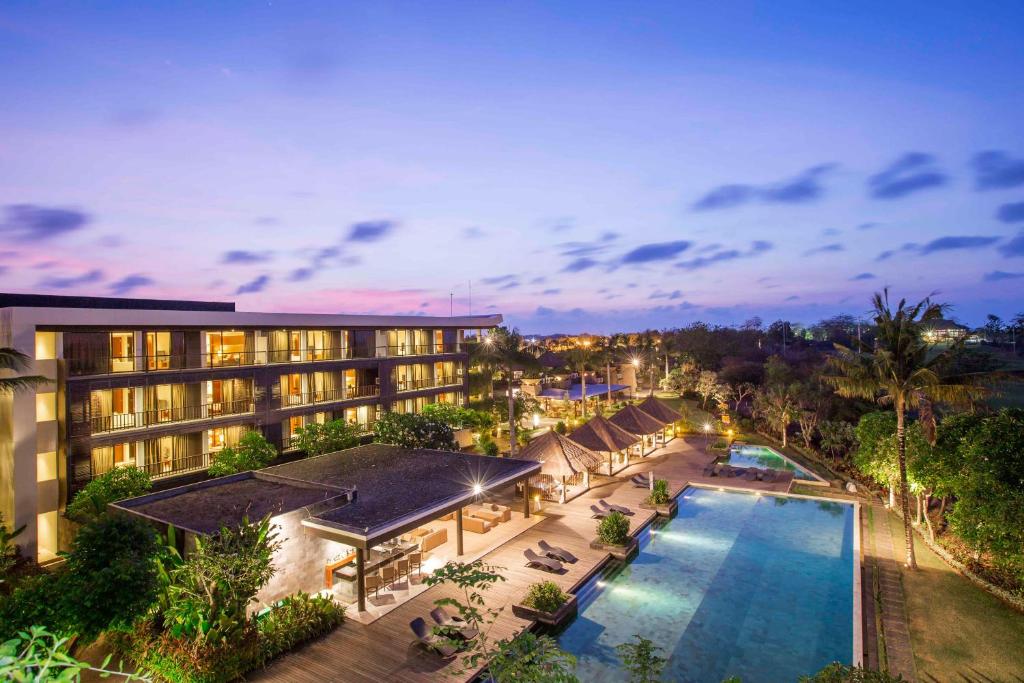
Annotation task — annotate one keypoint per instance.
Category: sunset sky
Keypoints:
(587, 166)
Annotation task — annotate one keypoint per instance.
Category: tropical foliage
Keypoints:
(38, 656)
(545, 596)
(614, 529)
(410, 430)
(659, 493)
(15, 361)
(252, 452)
(119, 483)
(641, 660)
(333, 435)
(504, 350)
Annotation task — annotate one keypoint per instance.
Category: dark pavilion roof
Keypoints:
(598, 434)
(558, 455)
(636, 421)
(659, 411)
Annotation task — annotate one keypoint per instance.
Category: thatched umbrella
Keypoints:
(599, 434)
(561, 458)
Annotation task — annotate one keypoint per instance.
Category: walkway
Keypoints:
(384, 650)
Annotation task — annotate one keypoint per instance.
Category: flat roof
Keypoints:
(106, 302)
(359, 496)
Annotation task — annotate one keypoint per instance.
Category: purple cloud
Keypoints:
(129, 283)
(912, 172)
(73, 281)
(825, 249)
(862, 276)
(241, 257)
(1014, 247)
(999, 275)
(254, 286)
(660, 251)
(1011, 213)
(997, 170)
(370, 231)
(31, 223)
(580, 264)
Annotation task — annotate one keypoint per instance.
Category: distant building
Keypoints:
(941, 331)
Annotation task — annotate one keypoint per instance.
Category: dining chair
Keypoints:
(372, 582)
(416, 561)
(403, 567)
(387, 574)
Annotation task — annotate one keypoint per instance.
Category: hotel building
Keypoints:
(163, 385)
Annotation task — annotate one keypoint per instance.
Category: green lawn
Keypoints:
(959, 632)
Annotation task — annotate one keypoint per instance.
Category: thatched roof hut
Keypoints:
(636, 421)
(659, 410)
(559, 456)
(598, 434)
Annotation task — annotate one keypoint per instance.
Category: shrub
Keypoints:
(524, 436)
(410, 430)
(10, 553)
(178, 659)
(488, 446)
(317, 439)
(545, 596)
(296, 619)
(38, 655)
(841, 673)
(641, 660)
(614, 529)
(659, 494)
(36, 601)
(251, 452)
(117, 484)
(560, 427)
(458, 417)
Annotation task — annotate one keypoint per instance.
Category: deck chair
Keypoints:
(598, 512)
(545, 563)
(555, 552)
(454, 624)
(429, 640)
(617, 508)
(640, 481)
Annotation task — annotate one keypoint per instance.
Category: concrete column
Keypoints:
(458, 532)
(561, 493)
(361, 578)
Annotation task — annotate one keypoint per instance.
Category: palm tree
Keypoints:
(581, 358)
(16, 361)
(899, 372)
(503, 348)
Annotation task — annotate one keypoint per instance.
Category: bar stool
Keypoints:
(387, 574)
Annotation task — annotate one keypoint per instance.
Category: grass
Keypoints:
(958, 631)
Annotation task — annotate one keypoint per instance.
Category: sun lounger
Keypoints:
(617, 508)
(454, 625)
(429, 640)
(640, 481)
(555, 552)
(751, 474)
(598, 512)
(546, 563)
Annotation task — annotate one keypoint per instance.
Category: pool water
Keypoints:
(738, 584)
(762, 456)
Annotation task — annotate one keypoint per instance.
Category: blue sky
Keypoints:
(586, 166)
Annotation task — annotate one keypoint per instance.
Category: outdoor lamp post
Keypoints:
(536, 420)
(707, 435)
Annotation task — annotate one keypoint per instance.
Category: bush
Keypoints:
(614, 529)
(560, 427)
(252, 452)
(317, 439)
(545, 596)
(36, 601)
(841, 673)
(641, 660)
(179, 659)
(659, 494)
(10, 553)
(410, 430)
(296, 619)
(117, 484)
(488, 446)
(458, 417)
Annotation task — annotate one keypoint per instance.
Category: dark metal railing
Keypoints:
(179, 465)
(146, 418)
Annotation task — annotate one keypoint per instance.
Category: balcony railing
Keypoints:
(179, 465)
(104, 365)
(427, 383)
(313, 397)
(149, 418)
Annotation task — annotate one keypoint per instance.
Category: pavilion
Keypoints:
(636, 421)
(661, 412)
(564, 463)
(346, 514)
(599, 434)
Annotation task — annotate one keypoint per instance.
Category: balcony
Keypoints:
(151, 418)
(418, 384)
(178, 466)
(402, 350)
(314, 397)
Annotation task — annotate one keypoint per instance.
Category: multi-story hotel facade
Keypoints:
(164, 385)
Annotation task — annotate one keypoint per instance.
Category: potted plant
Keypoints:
(659, 500)
(613, 536)
(547, 603)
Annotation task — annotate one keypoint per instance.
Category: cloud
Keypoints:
(831, 232)
(253, 286)
(862, 276)
(792, 297)
(551, 292)
(498, 279)
(129, 283)
(609, 236)
(1011, 213)
(996, 170)
(267, 220)
(31, 223)
(660, 251)
(473, 233)
(55, 282)
(912, 172)
(538, 280)
(301, 274)
(956, 242)
(241, 256)
(867, 226)
(997, 275)
(580, 264)
(825, 249)
(1014, 247)
(509, 285)
(370, 231)
(671, 296)
(757, 247)
(803, 188)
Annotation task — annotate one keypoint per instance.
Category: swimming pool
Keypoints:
(738, 584)
(763, 456)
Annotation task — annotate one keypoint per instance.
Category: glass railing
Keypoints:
(148, 418)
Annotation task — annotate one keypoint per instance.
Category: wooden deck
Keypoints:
(385, 650)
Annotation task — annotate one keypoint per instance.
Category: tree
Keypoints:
(707, 386)
(641, 660)
(876, 454)
(411, 430)
(334, 435)
(531, 658)
(38, 656)
(994, 327)
(503, 349)
(15, 361)
(119, 483)
(740, 391)
(898, 372)
(458, 417)
(252, 452)
(837, 437)
(10, 553)
(581, 359)
(777, 405)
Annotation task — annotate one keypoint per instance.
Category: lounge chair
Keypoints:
(555, 552)
(598, 512)
(751, 474)
(429, 640)
(616, 508)
(640, 481)
(455, 625)
(546, 563)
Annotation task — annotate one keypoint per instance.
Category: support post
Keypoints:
(361, 578)
(610, 466)
(561, 492)
(526, 498)
(586, 480)
(458, 532)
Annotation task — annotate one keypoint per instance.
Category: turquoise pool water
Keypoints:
(762, 456)
(759, 587)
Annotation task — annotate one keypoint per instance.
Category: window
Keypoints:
(295, 346)
(106, 458)
(158, 350)
(318, 345)
(229, 348)
(46, 466)
(122, 352)
(291, 389)
(46, 345)
(46, 406)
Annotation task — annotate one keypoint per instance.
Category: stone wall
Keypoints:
(300, 562)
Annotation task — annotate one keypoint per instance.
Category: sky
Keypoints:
(575, 166)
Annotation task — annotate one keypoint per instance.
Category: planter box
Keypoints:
(669, 509)
(564, 613)
(619, 552)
